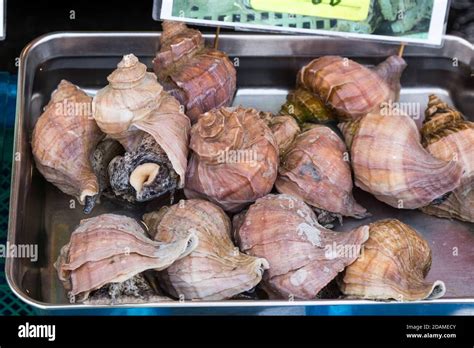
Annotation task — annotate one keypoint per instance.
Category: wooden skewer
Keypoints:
(216, 38)
(400, 51)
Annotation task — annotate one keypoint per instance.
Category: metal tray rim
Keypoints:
(234, 303)
(172, 304)
(56, 34)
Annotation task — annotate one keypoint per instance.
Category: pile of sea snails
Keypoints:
(258, 227)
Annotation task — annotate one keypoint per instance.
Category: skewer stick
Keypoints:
(216, 38)
(400, 51)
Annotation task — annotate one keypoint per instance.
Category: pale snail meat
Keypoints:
(134, 109)
(216, 269)
(447, 135)
(64, 139)
(112, 248)
(316, 169)
(234, 158)
(394, 264)
(303, 256)
(389, 162)
(200, 78)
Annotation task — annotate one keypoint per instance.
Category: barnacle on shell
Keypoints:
(143, 174)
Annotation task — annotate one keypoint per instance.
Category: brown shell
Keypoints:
(284, 129)
(349, 88)
(448, 136)
(389, 162)
(64, 139)
(305, 106)
(216, 269)
(316, 169)
(303, 256)
(393, 265)
(390, 71)
(112, 248)
(234, 158)
(200, 78)
(134, 104)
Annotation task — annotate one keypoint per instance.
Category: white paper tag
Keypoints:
(415, 21)
(2, 19)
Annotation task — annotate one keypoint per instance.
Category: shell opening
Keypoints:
(437, 291)
(440, 200)
(263, 265)
(143, 175)
(192, 244)
(85, 194)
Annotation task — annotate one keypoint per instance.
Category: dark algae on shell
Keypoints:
(143, 174)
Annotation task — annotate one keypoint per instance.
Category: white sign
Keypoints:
(2, 19)
(408, 21)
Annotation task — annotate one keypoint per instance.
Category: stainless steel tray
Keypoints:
(40, 214)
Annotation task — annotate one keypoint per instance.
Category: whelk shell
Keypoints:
(143, 174)
(389, 162)
(133, 105)
(349, 88)
(303, 256)
(284, 129)
(112, 248)
(305, 106)
(448, 136)
(64, 139)
(234, 158)
(200, 78)
(216, 269)
(394, 264)
(315, 168)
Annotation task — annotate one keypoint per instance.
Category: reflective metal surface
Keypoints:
(267, 65)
